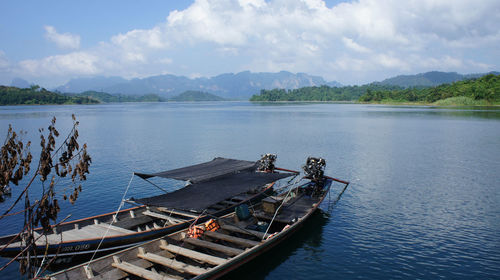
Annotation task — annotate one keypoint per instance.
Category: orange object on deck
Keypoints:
(212, 225)
(195, 231)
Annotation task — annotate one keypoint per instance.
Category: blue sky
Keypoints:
(353, 42)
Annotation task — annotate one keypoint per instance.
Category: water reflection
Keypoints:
(486, 112)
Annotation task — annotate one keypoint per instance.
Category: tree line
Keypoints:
(319, 93)
(35, 95)
(486, 88)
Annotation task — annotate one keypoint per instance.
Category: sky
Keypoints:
(353, 42)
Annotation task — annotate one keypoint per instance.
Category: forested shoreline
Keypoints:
(480, 91)
(35, 95)
(319, 93)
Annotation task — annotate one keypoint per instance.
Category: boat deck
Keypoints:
(86, 232)
(185, 256)
(289, 212)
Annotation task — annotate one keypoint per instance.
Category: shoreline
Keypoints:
(271, 102)
(381, 103)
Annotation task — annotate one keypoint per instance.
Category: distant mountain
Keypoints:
(90, 84)
(234, 86)
(20, 83)
(196, 96)
(430, 79)
(334, 84)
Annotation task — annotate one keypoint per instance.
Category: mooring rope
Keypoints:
(115, 216)
(332, 204)
(284, 199)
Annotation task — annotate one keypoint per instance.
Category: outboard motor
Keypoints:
(266, 163)
(314, 169)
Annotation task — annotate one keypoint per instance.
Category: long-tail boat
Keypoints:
(214, 189)
(211, 249)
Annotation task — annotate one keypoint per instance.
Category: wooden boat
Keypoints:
(210, 194)
(210, 250)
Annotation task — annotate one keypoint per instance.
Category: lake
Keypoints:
(424, 199)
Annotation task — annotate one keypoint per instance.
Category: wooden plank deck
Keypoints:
(163, 217)
(244, 231)
(236, 240)
(178, 212)
(139, 271)
(191, 253)
(132, 223)
(230, 251)
(115, 228)
(171, 263)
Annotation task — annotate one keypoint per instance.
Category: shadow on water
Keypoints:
(309, 234)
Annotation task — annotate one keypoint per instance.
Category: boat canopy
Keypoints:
(211, 182)
(204, 171)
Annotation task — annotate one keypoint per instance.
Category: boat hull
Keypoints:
(131, 261)
(73, 252)
(257, 251)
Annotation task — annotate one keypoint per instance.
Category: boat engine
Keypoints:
(266, 163)
(314, 169)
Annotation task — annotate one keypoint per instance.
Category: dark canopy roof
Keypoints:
(204, 171)
(212, 182)
(200, 196)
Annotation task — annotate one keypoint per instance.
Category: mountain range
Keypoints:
(234, 86)
(191, 95)
(430, 79)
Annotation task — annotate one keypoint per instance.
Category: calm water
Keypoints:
(424, 201)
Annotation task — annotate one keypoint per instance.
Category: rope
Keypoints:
(277, 210)
(112, 220)
(331, 205)
(182, 244)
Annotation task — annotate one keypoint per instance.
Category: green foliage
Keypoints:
(117, 98)
(460, 101)
(486, 89)
(191, 95)
(35, 95)
(321, 93)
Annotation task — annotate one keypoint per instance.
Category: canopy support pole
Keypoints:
(155, 185)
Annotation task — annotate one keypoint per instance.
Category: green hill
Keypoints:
(481, 91)
(191, 95)
(430, 79)
(34, 95)
(322, 93)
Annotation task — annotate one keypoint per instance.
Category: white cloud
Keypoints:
(4, 62)
(366, 38)
(165, 60)
(349, 43)
(62, 40)
(74, 63)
